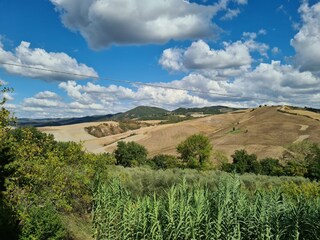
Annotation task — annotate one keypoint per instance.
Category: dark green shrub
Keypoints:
(244, 162)
(43, 223)
(130, 154)
(271, 166)
(163, 161)
(295, 169)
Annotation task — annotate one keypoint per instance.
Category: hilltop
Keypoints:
(142, 113)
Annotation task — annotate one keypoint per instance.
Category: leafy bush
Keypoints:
(244, 162)
(43, 223)
(163, 161)
(271, 167)
(130, 154)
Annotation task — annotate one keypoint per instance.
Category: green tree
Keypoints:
(5, 120)
(130, 154)
(5, 116)
(163, 161)
(8, 219)
(313, 163)
(271, 167)
(195, 151)
(244, 162)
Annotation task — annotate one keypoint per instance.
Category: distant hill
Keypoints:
(142, 113)
(61, 121)
(205, 110)
(139, 113)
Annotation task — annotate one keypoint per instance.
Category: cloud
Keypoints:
(275, 50)
(126, 22)
(271, 83)
(231, 13)
(262, 32)
(47, 95)
(39, 58)
(253, 45)
(171, 60)
(200, 56)
(276, 80)
(241, 1)
(7, 96)
(2, 82)
(307, 41)
(40, 102)
(117, 95)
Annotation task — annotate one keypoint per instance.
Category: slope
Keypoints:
(264, 131)
(142, 112)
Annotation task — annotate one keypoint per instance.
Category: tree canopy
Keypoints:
(130, 154)
(195, 150)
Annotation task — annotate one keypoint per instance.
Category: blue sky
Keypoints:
(229, 52)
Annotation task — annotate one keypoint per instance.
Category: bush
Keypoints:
(43, 223)
(163, 161)
(271, 167)
(244, 162)
(130, 154)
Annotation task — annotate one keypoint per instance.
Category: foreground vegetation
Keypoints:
(47, 186)
(194, 212)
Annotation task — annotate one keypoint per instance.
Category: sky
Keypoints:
(107, 56)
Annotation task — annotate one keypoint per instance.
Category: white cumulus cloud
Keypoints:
(123, 22)
(40, 58)
(47, 95)
(307, 41)
(200, 56)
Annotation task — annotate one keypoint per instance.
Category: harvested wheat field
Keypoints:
(264, 131)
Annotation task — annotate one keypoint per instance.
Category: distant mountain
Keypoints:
(143, 113)
(205, 110)
(61, 121)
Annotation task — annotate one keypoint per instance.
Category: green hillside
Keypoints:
(143, 113)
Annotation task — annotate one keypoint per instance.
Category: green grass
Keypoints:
(236, 131)
(80, 228)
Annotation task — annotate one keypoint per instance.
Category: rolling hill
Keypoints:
(265, 131)
(142, 113)
(61, 121)
(138, 113)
